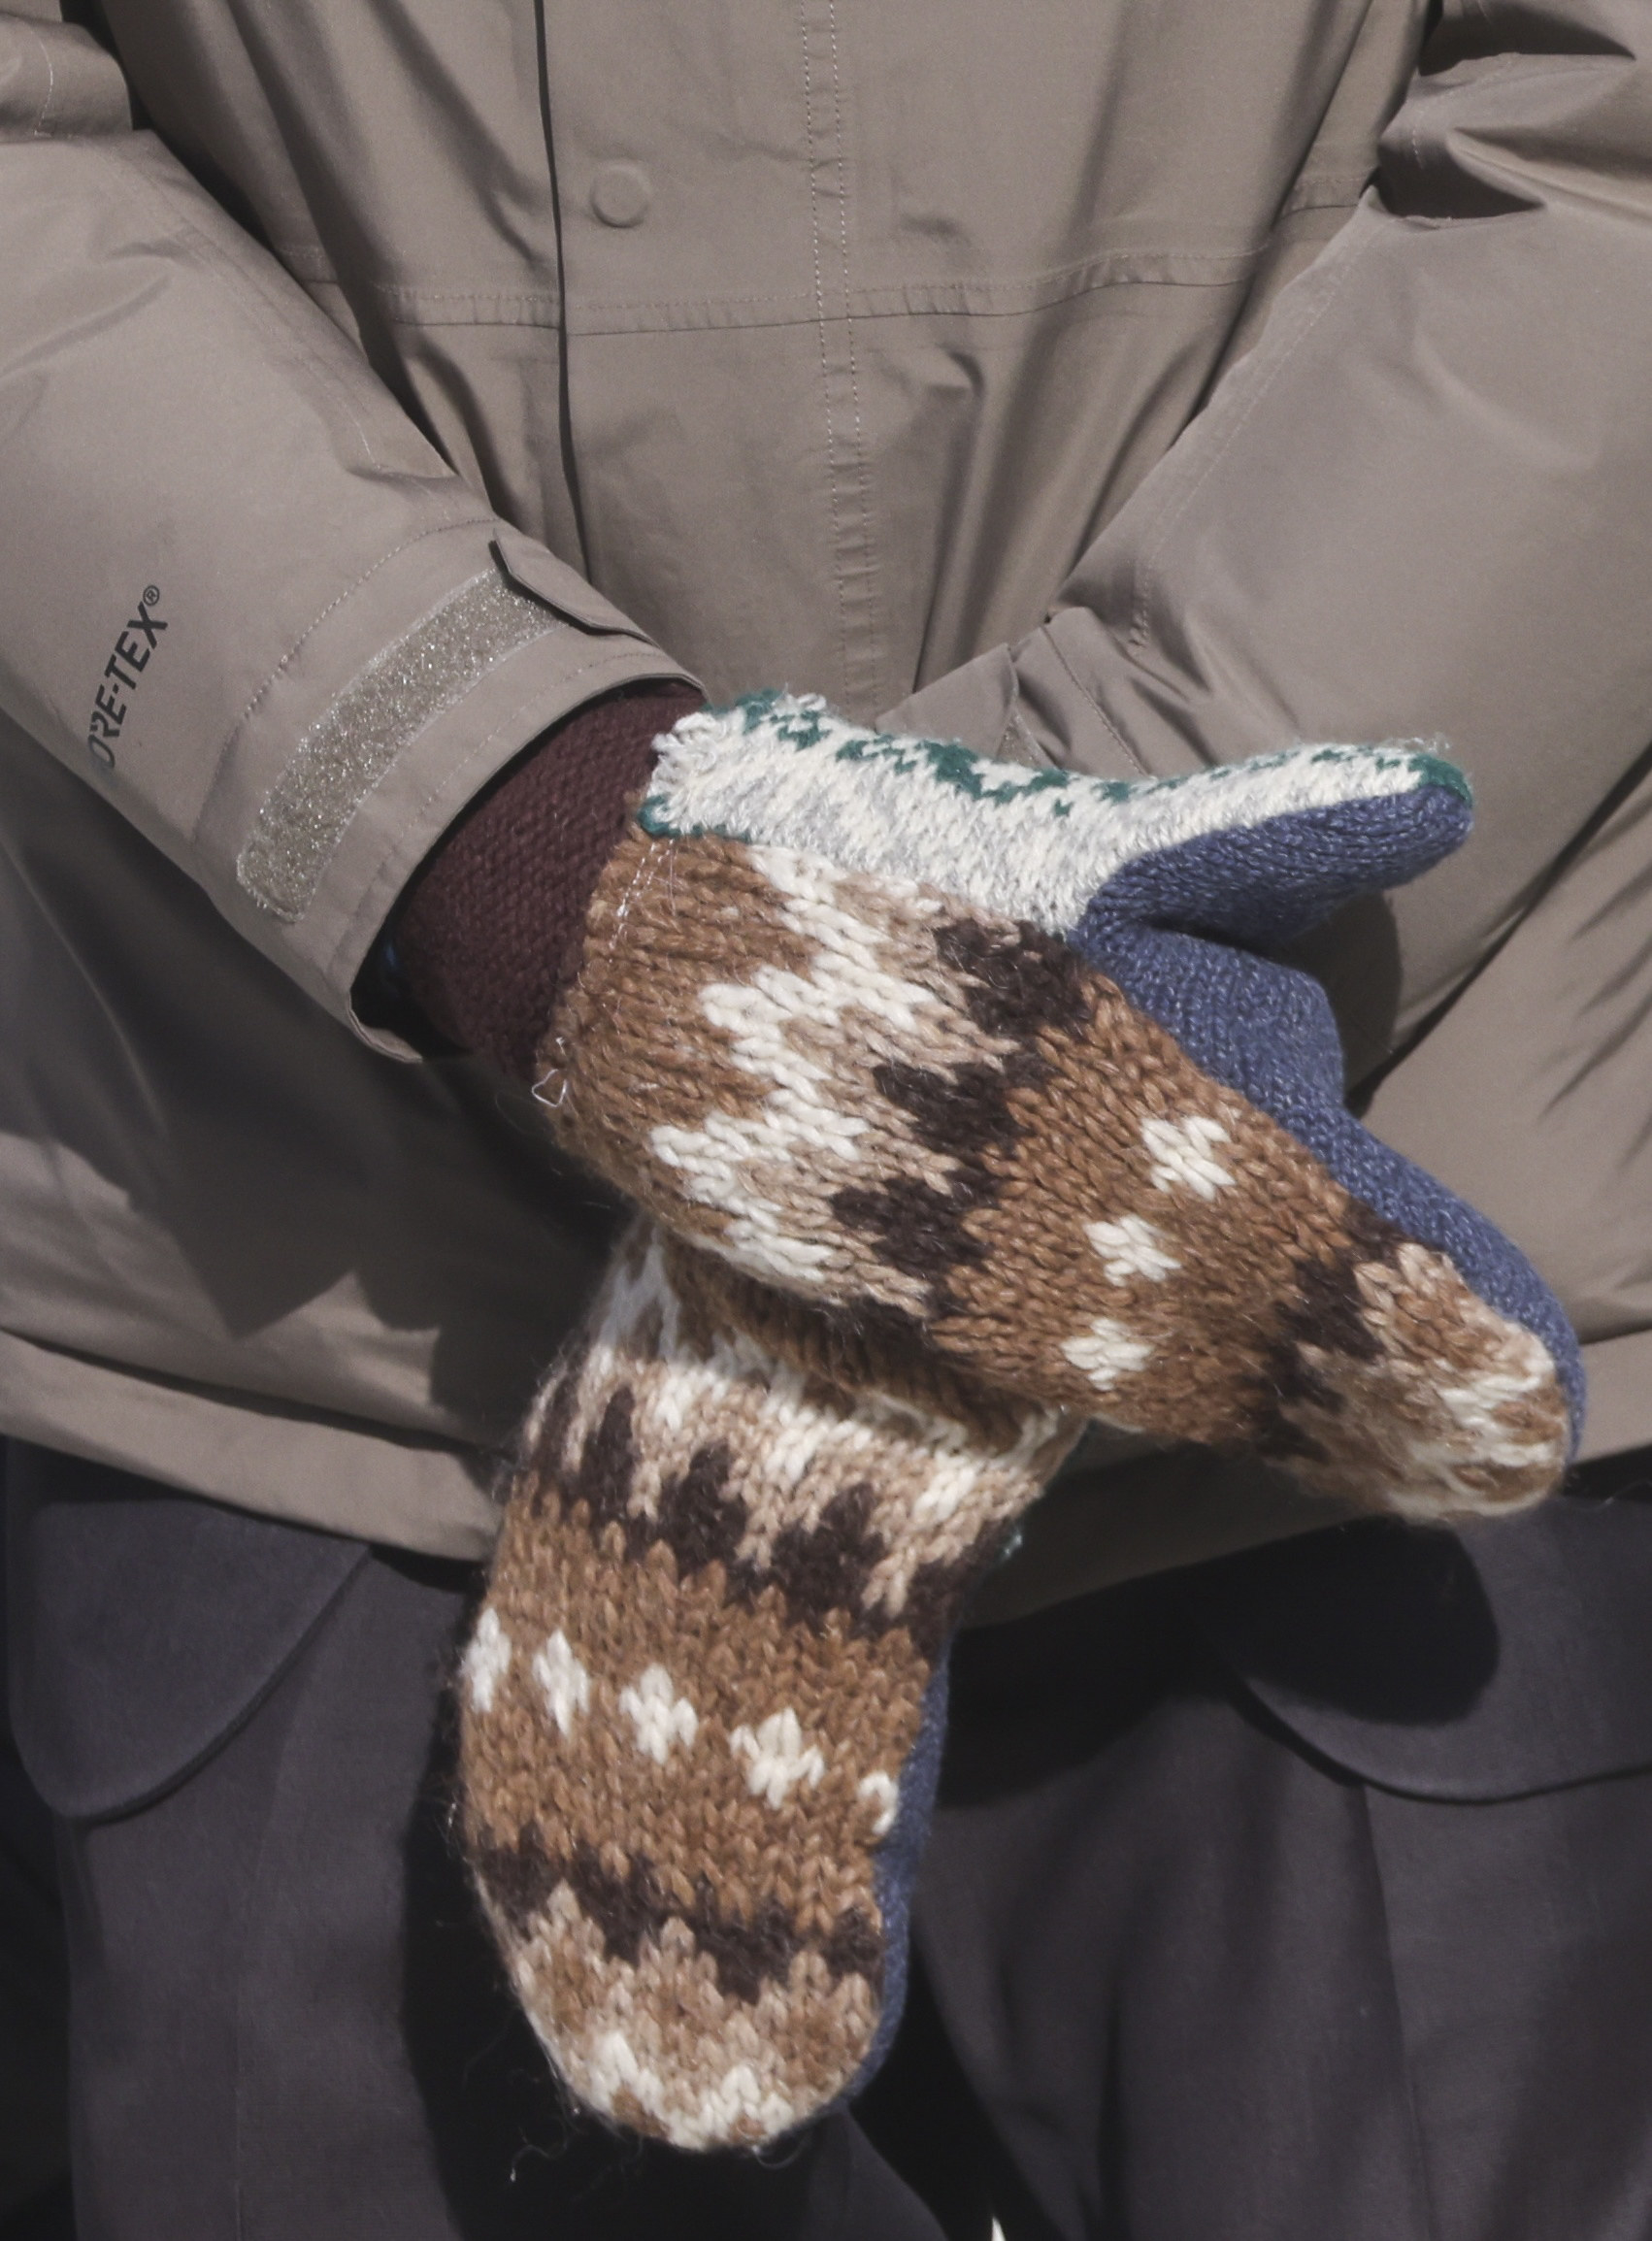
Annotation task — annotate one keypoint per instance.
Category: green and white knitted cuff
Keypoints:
(779, 770)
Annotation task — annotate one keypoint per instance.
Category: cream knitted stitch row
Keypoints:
(784, 771)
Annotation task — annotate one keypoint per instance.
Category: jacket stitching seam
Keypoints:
(1225, 268)
(629, 319)
(1125, 747)
(821, 329)
(1222, 262)
(1223, 274)
(40, 129)
(869, 552)
(432, 529)
(1073, 269)
(481, 307)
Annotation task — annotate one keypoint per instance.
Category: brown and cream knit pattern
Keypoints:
(948, 1130)
(699, 1674)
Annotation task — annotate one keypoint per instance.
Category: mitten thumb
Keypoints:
(1257, 852)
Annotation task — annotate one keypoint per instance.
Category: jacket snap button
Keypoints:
(621, 194)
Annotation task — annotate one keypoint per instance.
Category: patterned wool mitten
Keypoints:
(702, 1707)
(834, 1021)
(965, 1055)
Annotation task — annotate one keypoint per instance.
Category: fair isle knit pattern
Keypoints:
(784, 771)
(966, 1107)
(949, 1131)
(693, 1701)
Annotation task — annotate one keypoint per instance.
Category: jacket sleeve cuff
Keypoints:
(484, 644)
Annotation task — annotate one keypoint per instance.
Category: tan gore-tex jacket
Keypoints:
(1136, 381)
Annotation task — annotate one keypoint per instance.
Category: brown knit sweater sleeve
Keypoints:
(489, 929)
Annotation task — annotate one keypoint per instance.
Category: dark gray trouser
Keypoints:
(1205, 1982)
(34, 2146)
(1212, 1986)
(286, 2025)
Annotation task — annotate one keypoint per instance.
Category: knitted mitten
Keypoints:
(702, 1707)
(834, 1020)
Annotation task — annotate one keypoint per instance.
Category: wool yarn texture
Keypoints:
(701, 1710)
(963, 1104)
(1087, 1153)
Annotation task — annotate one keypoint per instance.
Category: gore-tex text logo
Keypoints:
(120, 674)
